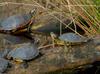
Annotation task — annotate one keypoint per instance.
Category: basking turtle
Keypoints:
(16, 22)
(3, 65)
(71, 39)
(22, 52)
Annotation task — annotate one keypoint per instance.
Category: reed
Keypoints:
(83, 13)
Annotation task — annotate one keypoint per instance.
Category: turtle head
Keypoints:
(33, 12)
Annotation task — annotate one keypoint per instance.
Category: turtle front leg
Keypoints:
(21, 63)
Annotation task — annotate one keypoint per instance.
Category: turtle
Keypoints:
(23, 52)
(16, 22)
(71, 39)
(3, 65)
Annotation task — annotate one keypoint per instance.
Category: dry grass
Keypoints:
(81, 12)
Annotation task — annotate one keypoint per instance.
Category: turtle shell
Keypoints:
(26, 51)
(73, 38)
(15, 21)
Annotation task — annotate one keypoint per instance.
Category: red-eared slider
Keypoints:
(3, 65)
(15, 22)
(26, 51)
(72, 38)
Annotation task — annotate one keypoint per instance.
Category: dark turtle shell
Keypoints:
(15, 21)
(26, 51)
(73, 38)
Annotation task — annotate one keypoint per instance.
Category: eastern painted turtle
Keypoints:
(71, 39)
(22, 52)
(16, 22)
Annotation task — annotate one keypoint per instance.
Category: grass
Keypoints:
(83, 13)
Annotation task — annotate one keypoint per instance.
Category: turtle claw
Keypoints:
(24, 65)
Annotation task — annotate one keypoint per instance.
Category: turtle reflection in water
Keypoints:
(71, 39)
(16, 22)
(23, 52)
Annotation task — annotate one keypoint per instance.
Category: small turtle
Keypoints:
(16, 22)
(3, 65)
(22, 52)
(72, 38)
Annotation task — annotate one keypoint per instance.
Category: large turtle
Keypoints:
(22, 52)
(16, 22)
(71, 39)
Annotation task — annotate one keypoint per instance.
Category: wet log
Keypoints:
(63, 58)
